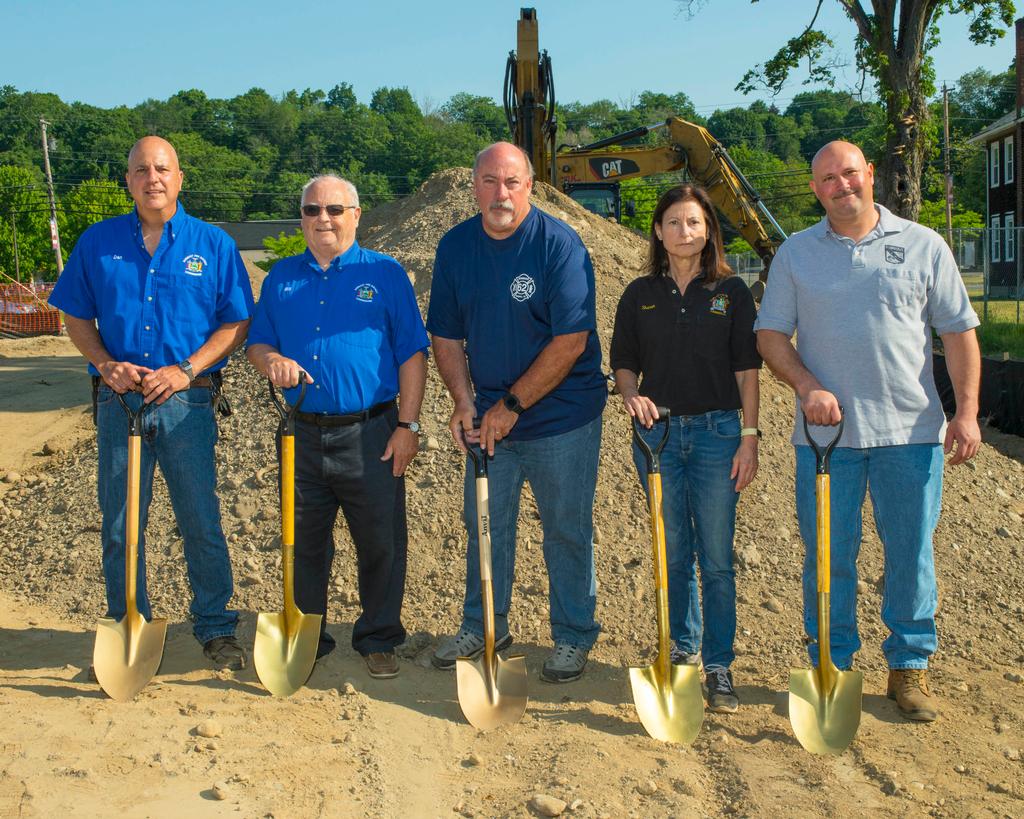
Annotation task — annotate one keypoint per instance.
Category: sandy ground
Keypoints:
(44, 391)
(347, 745)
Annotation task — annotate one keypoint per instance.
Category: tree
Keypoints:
(893, 38)
(89, 202)
(23, 202)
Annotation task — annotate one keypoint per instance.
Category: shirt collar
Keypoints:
(348, 257)
(175, 221)
(887, 223)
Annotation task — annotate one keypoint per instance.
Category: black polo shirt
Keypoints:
(686, 346)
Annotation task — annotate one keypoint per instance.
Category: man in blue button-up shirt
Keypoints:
(347, 317)
(156, 300)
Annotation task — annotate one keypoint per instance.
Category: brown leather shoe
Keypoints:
(382, 665)
(909, 687)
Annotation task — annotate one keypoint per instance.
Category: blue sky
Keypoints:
(118, 52)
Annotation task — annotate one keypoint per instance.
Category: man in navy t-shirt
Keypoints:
(156, 300)
(513, 325)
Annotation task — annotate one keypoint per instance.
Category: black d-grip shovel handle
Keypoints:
(288, 413)
(477, 453)
(824, 454)
(652, 455)
(134, 417)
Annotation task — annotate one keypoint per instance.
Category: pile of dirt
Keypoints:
(747, 763)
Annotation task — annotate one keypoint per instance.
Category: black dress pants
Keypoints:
(341, 467)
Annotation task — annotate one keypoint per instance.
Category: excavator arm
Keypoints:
(692, 149)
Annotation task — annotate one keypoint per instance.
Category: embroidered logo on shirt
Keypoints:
(720, 304)
(894, 255)
(647, 306)
(366, 293)
(522, 287)
(194, 264)
(117, 258)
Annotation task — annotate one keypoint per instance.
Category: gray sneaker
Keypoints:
(565, 664)
(680, 657)
(464, 644)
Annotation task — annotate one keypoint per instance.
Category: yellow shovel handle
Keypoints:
(288, 520)
(822, 496)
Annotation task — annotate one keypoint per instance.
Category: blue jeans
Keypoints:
(180, 435)
(906, 490)
(562, 471)
(699, 508)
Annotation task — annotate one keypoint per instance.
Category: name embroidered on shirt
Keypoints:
(522, 287)
(366, 293)
(720, 304)
(194, 264)
(894, 255)
(648, 306)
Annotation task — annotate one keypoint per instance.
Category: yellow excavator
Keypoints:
(590, 174)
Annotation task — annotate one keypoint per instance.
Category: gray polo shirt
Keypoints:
(863, 314)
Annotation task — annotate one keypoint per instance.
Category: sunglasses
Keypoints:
(332, 210)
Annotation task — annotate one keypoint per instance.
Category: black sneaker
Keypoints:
(226, 653)
(721, 695)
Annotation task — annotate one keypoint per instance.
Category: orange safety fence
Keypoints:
(24, 311)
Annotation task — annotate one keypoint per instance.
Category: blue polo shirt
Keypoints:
(350, 326)
(508, 298)
(155, 310)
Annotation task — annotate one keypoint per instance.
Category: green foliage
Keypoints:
(89, 202)
(282, 247)
(933, 215)
(23, 202)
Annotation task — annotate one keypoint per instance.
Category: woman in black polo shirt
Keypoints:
(685, 332)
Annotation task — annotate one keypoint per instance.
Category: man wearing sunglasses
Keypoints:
(156, 300)
(347, 317)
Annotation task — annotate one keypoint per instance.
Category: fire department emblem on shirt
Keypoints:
(366, 293)
(194, 264)
(522, 287)
(720, 304)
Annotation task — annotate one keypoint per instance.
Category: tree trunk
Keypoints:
(898, 174)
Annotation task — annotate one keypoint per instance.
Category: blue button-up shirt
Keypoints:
(155, 310)
(350, 326)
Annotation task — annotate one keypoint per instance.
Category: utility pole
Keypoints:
(949, 175)
(54, 236)
(14, 234)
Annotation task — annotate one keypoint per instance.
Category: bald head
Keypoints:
(843, 180)
(154, 179)
(150, 143)
(505, 150)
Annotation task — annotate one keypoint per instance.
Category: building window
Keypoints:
(997, 239)
(993, 164)
(1008, 160)
(1010, 238)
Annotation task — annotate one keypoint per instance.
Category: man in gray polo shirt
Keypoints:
(863, 289)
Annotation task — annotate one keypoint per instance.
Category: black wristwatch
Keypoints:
(512, 404)
(186, 367)
(412, 426)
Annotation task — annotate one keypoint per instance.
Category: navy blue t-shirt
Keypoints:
(507, 298)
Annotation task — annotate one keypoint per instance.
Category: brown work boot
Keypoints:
(382, 665)
(909, 687)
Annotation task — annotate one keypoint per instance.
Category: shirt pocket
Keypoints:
(900, 289)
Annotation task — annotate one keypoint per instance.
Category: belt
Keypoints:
(344, 420)
(202, 381)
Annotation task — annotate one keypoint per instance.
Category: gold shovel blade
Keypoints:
(127, 654)
(825, 723)
(489, 701)
(671, 710)
(284, 657)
